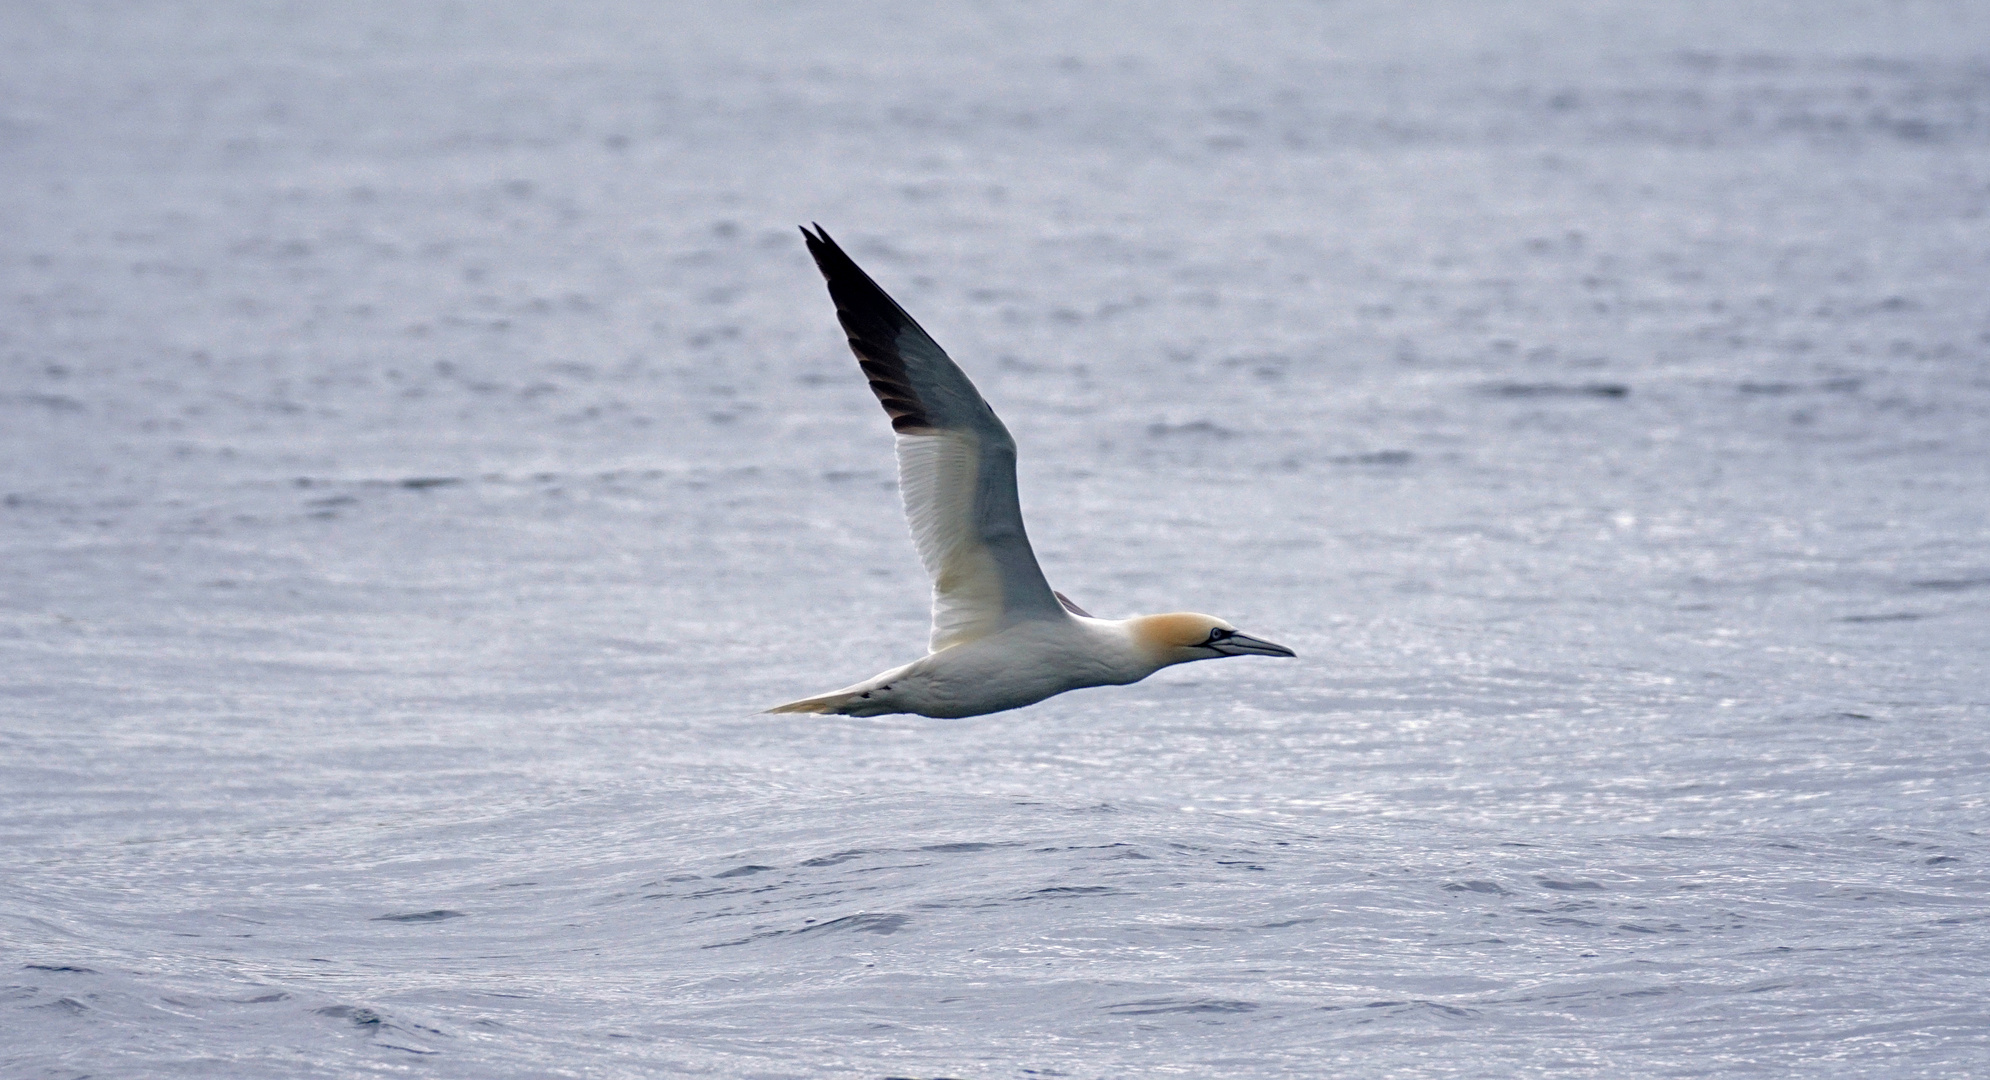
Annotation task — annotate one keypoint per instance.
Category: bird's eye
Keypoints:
(1218, 633)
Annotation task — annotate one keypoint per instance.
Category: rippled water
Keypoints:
(424, 445)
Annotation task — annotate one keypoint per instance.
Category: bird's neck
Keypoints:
(1144, 642)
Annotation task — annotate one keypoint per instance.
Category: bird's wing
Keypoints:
(1070, 605)
(956, 463)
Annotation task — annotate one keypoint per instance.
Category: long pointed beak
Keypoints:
(1246, 645)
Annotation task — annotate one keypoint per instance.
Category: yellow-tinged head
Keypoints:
(1182, 636)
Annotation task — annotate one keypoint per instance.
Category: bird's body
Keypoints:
(1018, 666)
(1001, 637)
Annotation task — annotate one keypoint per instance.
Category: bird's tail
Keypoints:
(825, 704)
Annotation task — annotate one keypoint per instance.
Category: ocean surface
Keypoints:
(425, 446)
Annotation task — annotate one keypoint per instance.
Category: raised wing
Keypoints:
(956, 463)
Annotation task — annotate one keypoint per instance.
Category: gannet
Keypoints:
(1002, 638)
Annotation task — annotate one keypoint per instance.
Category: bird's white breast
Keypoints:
(1020, 665)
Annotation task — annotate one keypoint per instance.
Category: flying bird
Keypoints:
(1001, 637)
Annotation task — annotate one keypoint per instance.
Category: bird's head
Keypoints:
(1184, 636)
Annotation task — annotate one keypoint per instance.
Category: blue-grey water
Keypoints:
(425, 445)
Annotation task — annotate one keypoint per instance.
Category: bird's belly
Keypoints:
(970, 681)
(948, 698)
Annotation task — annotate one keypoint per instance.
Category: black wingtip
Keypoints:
(820, 244)
(872, 321)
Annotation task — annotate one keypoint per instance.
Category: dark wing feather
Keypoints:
(1070, 605)
(918, 385)
(973, 517)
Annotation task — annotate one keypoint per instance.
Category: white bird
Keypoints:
(1001, 638)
